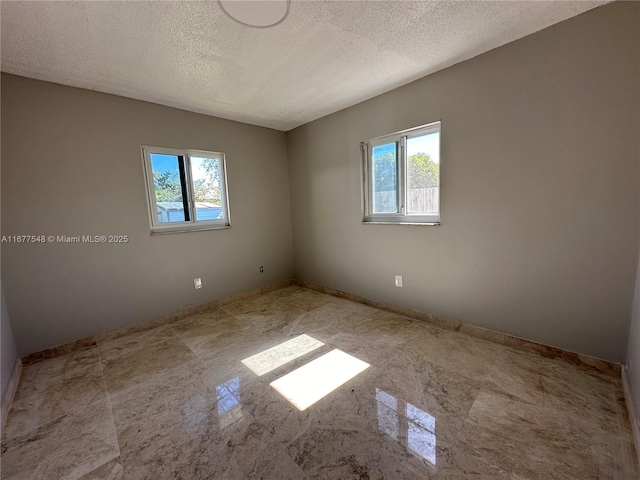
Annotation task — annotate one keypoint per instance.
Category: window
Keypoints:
(402, 177)
(186, 189)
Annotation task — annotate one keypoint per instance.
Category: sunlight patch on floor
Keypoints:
(268, 360)
(308, 384)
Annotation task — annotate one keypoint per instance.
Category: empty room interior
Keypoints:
(299, 240)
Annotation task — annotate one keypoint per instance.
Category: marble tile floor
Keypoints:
(357, 393)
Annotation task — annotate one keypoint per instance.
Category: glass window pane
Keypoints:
(207, 188)
(423, 174)
(167, 188)
(384, 172)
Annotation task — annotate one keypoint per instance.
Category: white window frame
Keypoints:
(401, 217)
(193, 224)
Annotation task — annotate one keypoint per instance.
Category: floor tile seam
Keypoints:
(117, 457)
(561, 365)
(385, 440)
(188, 326)
(485, 381)
(198, 317)
(104, 348)
(26, 437)
(224, 309)
(376, 434)
(444, 371)
(145, 326)
(455, 430)
(510, 438)
(110, 404)
(280, 302)
(41, 429)
(609, 390)
(293, 439)
(137, 348)
(257, 299)
(26, 362)
(27, 368)
(157, 379)
(544, 407)
(173, 422)
(471, 404)
(206, 410)
(562, 405)
(586, 426)
(114, 337)
(138, 328)
(244, 409)
(166, 411)
(207, 355)
(275, 458)
(278, 450)
(288, 367)
(184, 342)
(76, 414)
(502, 436)
(471, 452)
(51, 379)
(423, 427)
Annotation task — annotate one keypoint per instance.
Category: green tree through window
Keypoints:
(423, 172)
(167, 185)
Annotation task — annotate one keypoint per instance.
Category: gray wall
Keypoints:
(540, 189)
(9, 354)
(633, 351)
(71, 165)
(8, 350)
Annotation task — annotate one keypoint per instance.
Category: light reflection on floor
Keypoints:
(407, 424)
(268, 360)
(229, 408)
(306, 385)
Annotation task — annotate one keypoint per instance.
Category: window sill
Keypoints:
(434, 224)
(189, 230)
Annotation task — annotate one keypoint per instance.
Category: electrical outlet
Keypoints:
(197, 282)
(261, 269)
(398, 280)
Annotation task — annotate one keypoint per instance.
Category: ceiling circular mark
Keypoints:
(256, 13)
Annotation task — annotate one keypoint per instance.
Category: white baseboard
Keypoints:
(634, 415)
(10, 390)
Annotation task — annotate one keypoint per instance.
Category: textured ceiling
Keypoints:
(327, 55)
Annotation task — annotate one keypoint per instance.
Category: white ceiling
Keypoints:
(327, 55)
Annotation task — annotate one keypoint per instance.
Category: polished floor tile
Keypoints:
(71, 446)
(375, 395)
